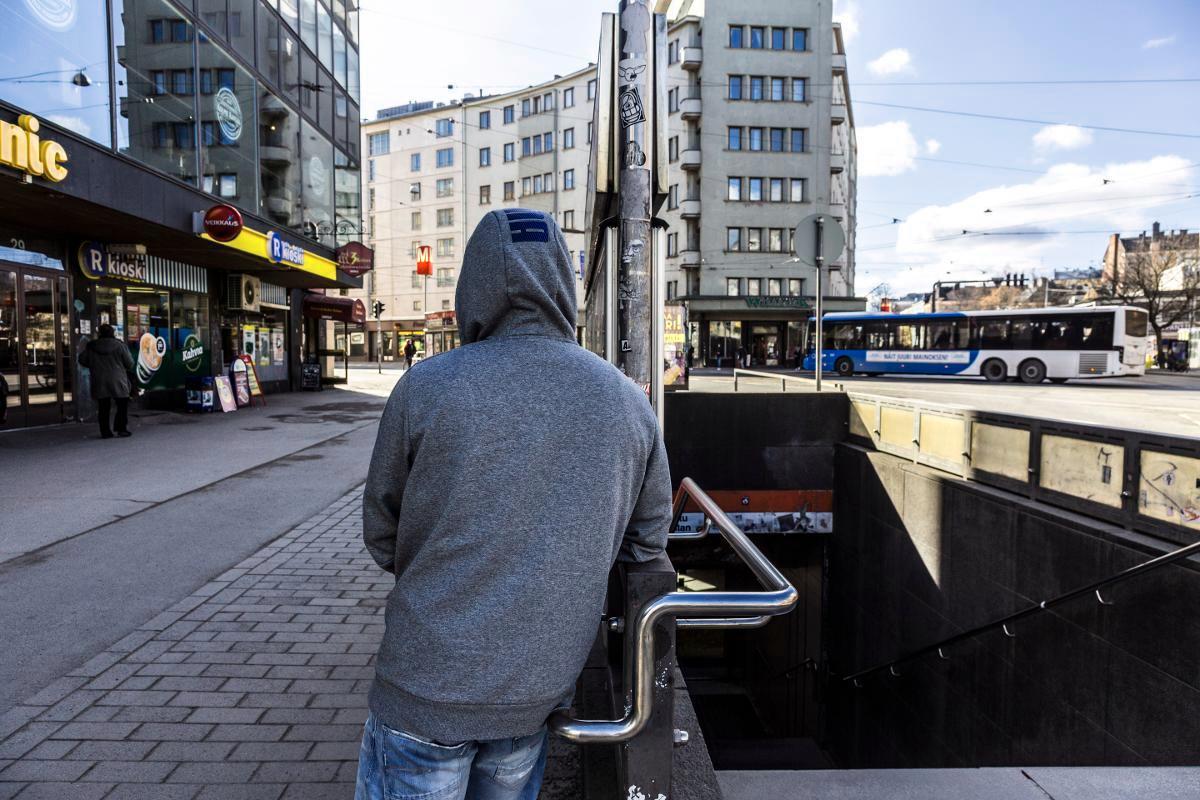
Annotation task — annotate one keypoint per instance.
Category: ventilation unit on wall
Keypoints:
(243, 293)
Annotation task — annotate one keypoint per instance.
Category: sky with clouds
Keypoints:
(1032, 196)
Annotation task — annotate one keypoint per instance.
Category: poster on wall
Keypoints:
(264, 347)
(249, 340)
(675, 375)
(278, 355)
(241, 381)
(225, 394)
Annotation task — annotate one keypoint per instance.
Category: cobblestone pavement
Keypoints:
(253, 687)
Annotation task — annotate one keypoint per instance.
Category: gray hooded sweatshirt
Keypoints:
(509, 474)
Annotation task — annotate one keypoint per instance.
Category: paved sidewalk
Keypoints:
(254, 687)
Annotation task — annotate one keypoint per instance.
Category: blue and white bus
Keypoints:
(1031, 345)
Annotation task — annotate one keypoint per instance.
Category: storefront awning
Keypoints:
(339, 309)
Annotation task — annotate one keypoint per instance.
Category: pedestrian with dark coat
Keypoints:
(110, 364)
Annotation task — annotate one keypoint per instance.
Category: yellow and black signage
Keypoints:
(21, 148)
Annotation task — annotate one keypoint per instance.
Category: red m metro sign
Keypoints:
(424, 260)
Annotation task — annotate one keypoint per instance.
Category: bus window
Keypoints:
(1061, 333)
(908, 336)
(991, 334)
(1023, 334)
(878, 335)
(844, 336)
(1135, 323)
(1097, 332)
(940, 335)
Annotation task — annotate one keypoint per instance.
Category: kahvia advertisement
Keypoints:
(675, 348)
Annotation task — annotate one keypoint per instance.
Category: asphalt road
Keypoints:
(103, 535)
(1159, 403)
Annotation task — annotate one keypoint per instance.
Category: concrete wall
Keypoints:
(918, 555)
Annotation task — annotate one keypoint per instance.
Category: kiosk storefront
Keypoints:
(255, 323)
(441, 332)
(328, 320)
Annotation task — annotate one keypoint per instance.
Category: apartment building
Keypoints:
(433, 172)
(761, 135)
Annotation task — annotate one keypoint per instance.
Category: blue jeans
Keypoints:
(393, 765)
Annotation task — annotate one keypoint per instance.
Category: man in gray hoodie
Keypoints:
(508, 475)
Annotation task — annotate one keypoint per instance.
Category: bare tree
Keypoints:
(1166, 282)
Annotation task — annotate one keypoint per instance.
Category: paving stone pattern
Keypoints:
(252, 688)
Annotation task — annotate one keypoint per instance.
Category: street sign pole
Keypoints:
(820, 261)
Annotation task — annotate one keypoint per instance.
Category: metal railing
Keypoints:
(777, 376)
(1004, 623)
(694, 609)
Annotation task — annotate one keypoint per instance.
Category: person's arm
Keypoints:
(127, 359)
(385, 482)
(646, 533)
(85, 358)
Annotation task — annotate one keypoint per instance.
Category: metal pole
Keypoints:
(820, 263)
(635, 325)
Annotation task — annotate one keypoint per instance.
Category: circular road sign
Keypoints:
(833, 240)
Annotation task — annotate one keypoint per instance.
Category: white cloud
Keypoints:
(1152, 44)
(1067, 197)
(886, 149)
(72, 123)
(846, 12)
(932, 146)
(1061, 137)
(892, 62)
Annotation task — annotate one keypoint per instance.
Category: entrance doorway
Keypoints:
(766, 345)
(35, 347)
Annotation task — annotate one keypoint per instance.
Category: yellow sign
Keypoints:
(21, 148)
(255, 243)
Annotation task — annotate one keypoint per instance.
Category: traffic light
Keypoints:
(377, 309)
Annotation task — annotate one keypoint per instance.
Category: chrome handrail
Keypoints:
(697, 609)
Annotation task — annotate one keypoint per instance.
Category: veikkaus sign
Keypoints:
(223, 222)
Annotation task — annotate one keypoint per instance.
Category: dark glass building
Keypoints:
(122, 124)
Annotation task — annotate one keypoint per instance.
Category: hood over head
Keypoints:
(516, 279)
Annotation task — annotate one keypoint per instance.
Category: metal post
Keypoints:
(820, 263)
(635, 324)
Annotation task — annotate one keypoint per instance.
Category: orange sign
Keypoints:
(424, 260)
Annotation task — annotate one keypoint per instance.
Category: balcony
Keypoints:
(837, 163)
(693, 56)
(837, 112)
(690, 159)
(690, 208)
(689, 259)
(689, 107)
(839, 63)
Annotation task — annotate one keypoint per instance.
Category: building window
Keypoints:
(537, 184)
(444, 127)
(756, 87)
(445, 247)
(733, 286)
(673, 100)
(797, 140)
(445, 278)
(370, 169)
(778, 38)
(673, 196)
(445, 157)
(509, 153)
(485, 195)
(485, 120)
(735, 138)
(526, 146)
(416, 220)
(672, 244)
(775, 287)
(735, 189)
(159, 80)
(591, 89)
(548, 101)
(414, 189)
(569, 219)
(735, 36)
(777, 89)
(756, 138)
(548, 141)
(445, 187)
(754, 239)
(778, 139)
(672, 290)
(378, 144)
(798, 90)
(568, 179)
(416, 282)
(569, 98)
(777, 190)
(568, 138)
(735, 87)
(775, 243)
(799, 39)
(548, 181)
(371, 199)
(416, 305)
(485, 156)
(445, 217)
(755, 190)
(526, 108)
(589, 133)
(797, 193)
(673, 149)
(754, 285)
(795, 287)
(181, 82)
(733, 240)
(510, 190)
(509, 114)
(756, 38)
(414, 162)
(526, 186)
(537, 145)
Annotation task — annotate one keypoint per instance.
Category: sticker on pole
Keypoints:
(832, 238)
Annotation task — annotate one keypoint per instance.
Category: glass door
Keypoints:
(34, 347)
(12, 411)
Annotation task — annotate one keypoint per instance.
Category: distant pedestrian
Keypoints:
(691, 357)
(500, 513)
(741, 357)
(110, 364)
(410, 350)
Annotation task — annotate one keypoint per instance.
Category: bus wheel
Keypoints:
(1032, 371)
(994, 370)
(844, 367)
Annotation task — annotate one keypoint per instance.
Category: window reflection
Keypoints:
(279, 142)
(268, 44)
(290, 11)
(155, 86)
(289, 65)
(241, 28)
(324, 36)
(347, 201)
(55, 66)
(226, 132)
(316, 154)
